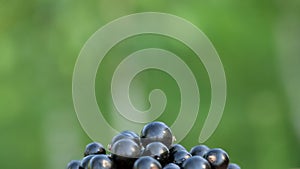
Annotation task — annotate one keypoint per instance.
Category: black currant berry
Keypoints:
(85, 161)
(125, 152)
(146, 162)
(158, 151)
(217, 158)
(176, 147)
(125, 135)
(180, 156)
(171, 166)
(94, 148)
(233, 166)
(156, 131)
(126, 148)
(199, 150)
(100, 162)
(196, 162)
(74, 164)
(130, 133)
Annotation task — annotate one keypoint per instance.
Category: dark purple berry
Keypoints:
(94, 148)
(125, 152)
(130, 133)
(85, 161)
(156, 131)
(171, 166)
(100, 162)
(180, 156)
(176, 147)
(146, 162)
(125, 135)
(196, 162)
(158, 151)
(199, 150)
(74, 164)
(217, 158)
(126, 148)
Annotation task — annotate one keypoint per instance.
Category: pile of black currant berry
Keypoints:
(154, 149)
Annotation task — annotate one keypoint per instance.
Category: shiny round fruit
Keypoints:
(85, 161)
(126, 148)
(100, 162)
(176, 147)
(125, 135)
(130, 133)
(94, 148)
(233, 166)
(74, 164)
(199, 150)
(156, 131)
(171, 166)
(180, 156)
(217, 158)
(146, 162)
(158, 151)
(124, 153)
(196, 162)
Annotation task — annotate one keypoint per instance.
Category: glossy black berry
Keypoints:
(217, 158)
(158, 151)
(199, 150)
(85, 161)
(146, 162)
(126, 148)
(176, 147)
(171, 166)
(196, 162)
(100, 162)
(94, 148)
(233, 166)
(156, 131)
(180, 156)
(125, 135)
(130, 133)
(74, 164)
(125, 152)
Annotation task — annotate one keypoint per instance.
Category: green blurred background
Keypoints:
(258, 43)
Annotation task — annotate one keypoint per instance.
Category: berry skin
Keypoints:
(233, 166)
(176, 147)
(196, 162)
(74, 164)
(130, 133)
(125, 135)
(156, 131)
(217, 158)
(171, 166)
(199, 150)
(125, 152)
(126, 148)
(85, 161)
(146, 162)
(94, 148)
(180, 156)
(100, 162)
(158, 151)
